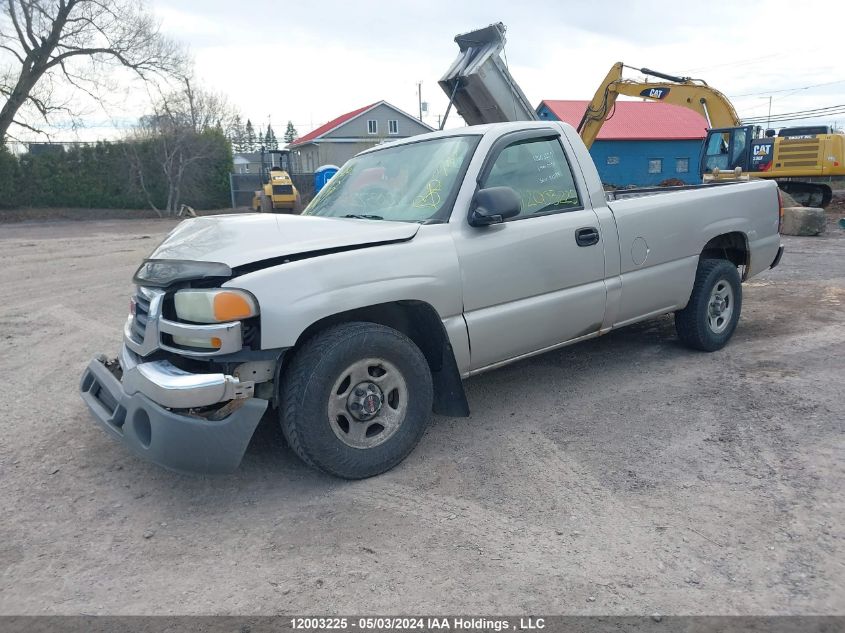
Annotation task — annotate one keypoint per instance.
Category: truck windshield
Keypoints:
(406, 183)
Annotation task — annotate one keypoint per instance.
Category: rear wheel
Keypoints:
(712, 314)
(356, 399)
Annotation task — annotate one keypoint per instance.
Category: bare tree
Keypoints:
(186, 134)
(52, 43)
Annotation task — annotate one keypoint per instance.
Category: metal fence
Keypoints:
(304, 184)
(244, 186)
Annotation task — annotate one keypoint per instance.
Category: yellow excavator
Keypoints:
(804, 161)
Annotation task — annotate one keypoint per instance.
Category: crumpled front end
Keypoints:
(181, 394)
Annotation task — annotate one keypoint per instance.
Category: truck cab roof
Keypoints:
(472, 130)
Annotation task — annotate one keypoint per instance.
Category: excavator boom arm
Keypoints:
(685, 92)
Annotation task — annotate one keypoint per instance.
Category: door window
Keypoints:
(539, 172)
(716, 156)
(738, 149)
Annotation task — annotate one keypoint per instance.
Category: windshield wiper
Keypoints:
(363, 217)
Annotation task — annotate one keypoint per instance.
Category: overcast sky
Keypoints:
(310, 61)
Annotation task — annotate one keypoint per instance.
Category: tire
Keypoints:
(332, 417)
(266, 204)
(711, 316)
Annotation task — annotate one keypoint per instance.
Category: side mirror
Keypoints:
(494, 205)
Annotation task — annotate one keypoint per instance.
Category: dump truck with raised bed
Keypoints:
(421, 263)
(805, 162)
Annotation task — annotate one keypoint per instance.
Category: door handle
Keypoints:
(587, 236)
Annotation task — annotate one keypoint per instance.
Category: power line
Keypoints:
(749, 61)
(733, 64)
(812, 113)
(809, 110)
(799, 117)
(771, 92)
(795, 117)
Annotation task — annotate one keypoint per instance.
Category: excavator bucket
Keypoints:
(478, 82)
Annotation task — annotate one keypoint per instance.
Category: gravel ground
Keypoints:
(625, 475)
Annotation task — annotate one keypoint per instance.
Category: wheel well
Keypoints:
(420, 322)
(730, 246)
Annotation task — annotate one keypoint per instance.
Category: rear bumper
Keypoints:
(776, 260)
(173, 440)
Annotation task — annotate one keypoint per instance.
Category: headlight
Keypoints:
(214, 306)
(164, 272)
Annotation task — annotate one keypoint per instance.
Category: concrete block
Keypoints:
(803, 221)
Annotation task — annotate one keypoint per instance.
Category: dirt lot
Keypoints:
(625, 475)
(8, 216)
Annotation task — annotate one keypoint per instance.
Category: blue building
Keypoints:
(643, 143)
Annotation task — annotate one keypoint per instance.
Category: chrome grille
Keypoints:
(146, 330)
(142, 315)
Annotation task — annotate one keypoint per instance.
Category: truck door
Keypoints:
(537, 279)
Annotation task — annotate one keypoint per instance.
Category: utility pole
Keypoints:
(261, 171)
(769, 118)
(419, 97)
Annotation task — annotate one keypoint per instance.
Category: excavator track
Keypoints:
(807, 194)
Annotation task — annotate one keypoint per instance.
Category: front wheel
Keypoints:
(266, 204)
(356, 399)
(711, 316)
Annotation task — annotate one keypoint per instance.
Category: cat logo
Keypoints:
(654, 93)
(762, 150)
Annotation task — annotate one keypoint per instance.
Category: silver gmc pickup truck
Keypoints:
(421, 263)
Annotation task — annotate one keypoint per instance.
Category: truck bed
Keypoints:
(641, 192)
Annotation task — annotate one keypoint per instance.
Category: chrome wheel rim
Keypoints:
(368, 403)
(720, 307)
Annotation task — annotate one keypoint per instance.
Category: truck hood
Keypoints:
(247, 238)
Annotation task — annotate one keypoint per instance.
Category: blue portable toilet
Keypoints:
(323, 175)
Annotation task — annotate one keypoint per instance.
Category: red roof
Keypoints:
(328, 127)
(637, 120)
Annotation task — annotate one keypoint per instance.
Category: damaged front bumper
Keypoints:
(148, 410)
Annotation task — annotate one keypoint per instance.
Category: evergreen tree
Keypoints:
(9, 197)
(105, 175)
(237, 135)
(290, 133)
(249, 137)
(270, 141)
